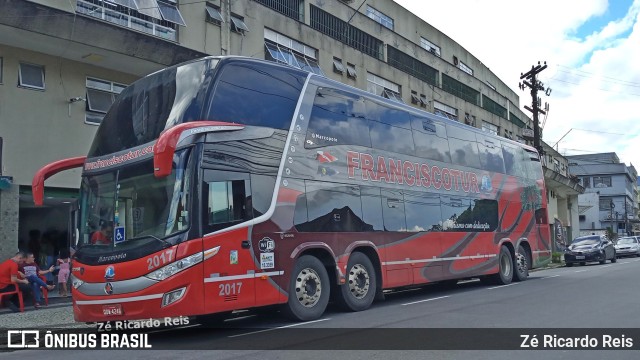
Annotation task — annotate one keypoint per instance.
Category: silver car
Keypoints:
(628, 246)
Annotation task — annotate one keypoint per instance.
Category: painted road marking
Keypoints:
(277, 328)
(501, 286)
(425, 300)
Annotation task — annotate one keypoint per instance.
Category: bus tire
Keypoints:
(308, 290)
(361, 286)
(505, 269)
(521, 264)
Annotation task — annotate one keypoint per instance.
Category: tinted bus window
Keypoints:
(514, 160)
(371, 208)
(337, 118)
(391, 138)
(490, 152)
(332, 209)
(473, 215)
(393, 210)
(464, 152)
(534, 167)
(452, 208)
(256, 94)
(430, 138)
(422, 211)
(260, 199)
(387, 115)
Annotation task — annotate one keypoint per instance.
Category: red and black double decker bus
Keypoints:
(230, 183)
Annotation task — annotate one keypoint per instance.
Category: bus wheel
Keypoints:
(505, 272)
(360, 290)
(521, 264)
(308, 290)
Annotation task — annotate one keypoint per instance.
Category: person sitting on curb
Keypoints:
(32, 273)
(9, 280)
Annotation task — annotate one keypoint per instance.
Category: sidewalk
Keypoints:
(59, 313)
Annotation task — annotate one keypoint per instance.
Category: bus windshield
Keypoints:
(121, 207)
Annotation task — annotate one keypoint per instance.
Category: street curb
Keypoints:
(548, 266)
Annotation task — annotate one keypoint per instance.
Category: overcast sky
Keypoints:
(592, 49)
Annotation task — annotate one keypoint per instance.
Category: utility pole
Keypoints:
(529, 80)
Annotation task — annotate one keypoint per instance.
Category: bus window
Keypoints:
(255, 94)
(387, 115)
(430, 138)
(260, 199)
(227, 199)
(371, 208)
(391, 138)
(422, 211)
(490, 152)
(464, 153)
(469, 215)
(453, 207)
(534, 167)
(514, 160)
(393, 211)
(332, 208)
(337, 118)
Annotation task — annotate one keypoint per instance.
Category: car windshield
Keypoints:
(627, 240)
(130, 204)
(586, 241)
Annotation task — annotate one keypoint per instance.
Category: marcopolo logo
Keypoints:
(267, 244)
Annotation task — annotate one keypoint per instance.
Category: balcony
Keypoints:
(124, 20)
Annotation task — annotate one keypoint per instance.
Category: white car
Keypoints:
(628, 246)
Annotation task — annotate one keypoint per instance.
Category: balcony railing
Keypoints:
(124, 20)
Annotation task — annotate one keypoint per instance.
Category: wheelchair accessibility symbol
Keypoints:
(118, 235)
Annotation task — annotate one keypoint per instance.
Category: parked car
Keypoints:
(590, 248)
(628, 246)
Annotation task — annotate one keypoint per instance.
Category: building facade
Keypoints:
(62, 63)
(611, 193)
(563, 190)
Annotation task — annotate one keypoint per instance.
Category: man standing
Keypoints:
(9, 280)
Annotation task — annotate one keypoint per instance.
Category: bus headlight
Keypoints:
(175, 267)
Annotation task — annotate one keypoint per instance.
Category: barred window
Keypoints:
(411, 66)
(290, 8)
(493, 107)
(460, 90)
(346, 33)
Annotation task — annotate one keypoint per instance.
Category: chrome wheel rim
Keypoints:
(308, 287)
(358, 281)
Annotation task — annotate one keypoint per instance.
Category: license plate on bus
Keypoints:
(112, 310)
(579, 257)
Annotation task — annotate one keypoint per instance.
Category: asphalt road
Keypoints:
(590, 299)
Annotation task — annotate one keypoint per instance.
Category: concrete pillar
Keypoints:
(9, 204)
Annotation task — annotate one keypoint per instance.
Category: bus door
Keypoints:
(229, 274)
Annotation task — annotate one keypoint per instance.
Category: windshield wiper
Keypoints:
(168, 244)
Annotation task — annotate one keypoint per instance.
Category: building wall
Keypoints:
(41, 126)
